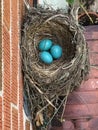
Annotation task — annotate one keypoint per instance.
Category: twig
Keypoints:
(27, 5)
(45, 106)
(86, 12)
(65, 104)
(56, 111)
(40, 92)
(96, 67)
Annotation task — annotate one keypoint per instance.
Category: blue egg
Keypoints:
(56, 51)
(46, 57)
(45, 44)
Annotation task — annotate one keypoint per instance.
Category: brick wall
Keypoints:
(0, 49)
(12, 115)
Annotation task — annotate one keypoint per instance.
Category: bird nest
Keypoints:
(46, 87)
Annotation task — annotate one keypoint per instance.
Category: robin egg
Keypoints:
(56, 51)
(46, 57)
(45, 44)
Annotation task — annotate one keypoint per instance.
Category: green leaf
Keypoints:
(70, 1)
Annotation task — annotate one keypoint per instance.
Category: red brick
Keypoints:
(14, 51)
(81, 124)
(91, 32)
(91, 28)
(20, 111)
(84, 97)
(20, 101)
(21, 10)
(67, 125)
(6, 13)
(6, 89)
(95, 34)
(81, 111)
(14, 119)
(93, 123)
(11, 95)
(93, 72)
(93, 46)
(88, 36)
(90, 84)
(0, 113)
(0, 46)
(21, 114)
(93, 58)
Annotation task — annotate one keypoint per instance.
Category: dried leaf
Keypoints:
(39, 119)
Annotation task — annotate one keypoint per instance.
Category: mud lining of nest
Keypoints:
(46, 87)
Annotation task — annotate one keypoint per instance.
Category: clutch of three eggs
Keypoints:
(49, 51)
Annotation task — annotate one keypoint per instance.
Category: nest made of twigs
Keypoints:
(46, 87)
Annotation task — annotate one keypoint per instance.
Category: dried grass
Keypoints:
(46, 87)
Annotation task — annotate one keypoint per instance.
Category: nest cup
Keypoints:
(46, 87)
